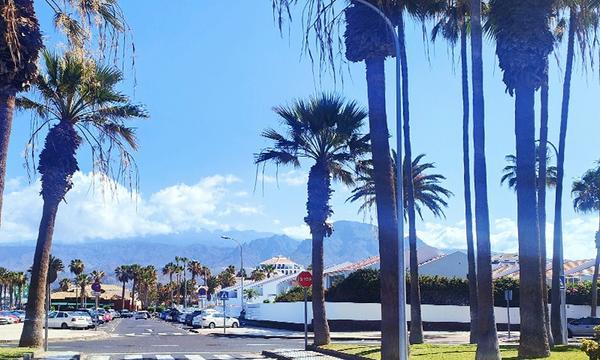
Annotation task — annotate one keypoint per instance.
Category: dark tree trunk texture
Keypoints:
(557, 245)
(487, 339)
(541, 198)
(533, 339)
(123, 296)
(317, 206)
(33, 327)
(472, 272)
(7, 107)
(416, 322)
(385, 199)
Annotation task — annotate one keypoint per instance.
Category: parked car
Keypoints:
(20, 314)
(65, 320)
(213, 320)
(4, 320)
(94, 315)
(174, 315)
(583, 326)
(114, 314)
(126, 313)
(141, 315)
(104, 315)
(164, 314)
(12, 318)
(189, 317)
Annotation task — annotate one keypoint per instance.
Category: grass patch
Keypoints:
(451, 352)
(14, 353)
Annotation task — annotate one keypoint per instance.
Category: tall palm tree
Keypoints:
(169, 269)
(76, 267)
(487, 337)
(582, 22)
(97, 275)
(134, 274)
(268, 270)
(20, 45)
(586, 199)
(367, 39)
(258, 274)
(19, 280)
(195, 268)
(3, 280)
(82, 281)
(184, 261)
(80, 98)
(122, 274)
(523, 42)
(55, 266)
(509, 172)
(226, 278)
(147, 279)
(453, 25)
(64, 284)
(326, 131)
(205, 274)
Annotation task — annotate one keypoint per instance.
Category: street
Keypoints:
(156, 339)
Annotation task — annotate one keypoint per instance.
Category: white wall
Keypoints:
(294, 312)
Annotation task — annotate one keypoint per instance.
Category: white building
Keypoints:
(283, 265)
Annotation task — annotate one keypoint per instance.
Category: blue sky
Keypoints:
(209, 73)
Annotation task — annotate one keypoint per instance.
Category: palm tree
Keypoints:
(184, 262)
(83, 280)
(586, 199)
(326, 131)
(97, 275)
(76, 267)
(147, 279)
(195, 268)
(582, 20)
(509, 172)
(429, 193)
(122, 273)
(251, 294)
(205, 274)
(226, 279)
(487, 337)
(134, 275)
(258, 275)
(98, 113)
(523, 42)
(367, 39)
(20, 43)
(3, 281)
(64, 284)
(19, 280)
(453, 25)
(268, 269)
(169, 269)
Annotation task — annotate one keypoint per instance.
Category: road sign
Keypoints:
(224, 295)
(562, 282)
(202, 292)
(96, 293)
(508, 295)
(97, 287)
(305, 279)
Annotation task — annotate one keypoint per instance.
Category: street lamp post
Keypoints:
(241, 264)
(403, 333)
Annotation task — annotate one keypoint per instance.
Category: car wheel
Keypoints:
(64, 326)
(211, 325)
(234, 325)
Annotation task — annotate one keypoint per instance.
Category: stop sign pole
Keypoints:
(305, 280)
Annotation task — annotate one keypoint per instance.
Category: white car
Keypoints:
(141, 315)
(65, 320)
(213, 320)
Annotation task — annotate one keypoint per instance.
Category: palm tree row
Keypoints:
(11, 288)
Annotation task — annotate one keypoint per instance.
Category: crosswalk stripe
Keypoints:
(133, 357)
(224, 357)
(100, 357)
(194, 357)
(164, 357)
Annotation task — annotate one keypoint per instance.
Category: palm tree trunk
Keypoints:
(594, 303)
(171, 288)
(11, 292)
(558, 308)
(123, 296)
(387, 220)
(487, 340)
(533, 341)
(416, 323)
(319, 193)
(83, 304)
(33, 327)
(541, 197)
(7, 107)
(472, 273)
(133, 295)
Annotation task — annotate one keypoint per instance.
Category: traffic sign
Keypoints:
(305, 279)
(96, 293)
(224, 295)
(508, 295)
(561, 280)
(202, 292)
(96, 287)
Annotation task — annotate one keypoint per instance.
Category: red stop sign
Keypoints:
(305, 279)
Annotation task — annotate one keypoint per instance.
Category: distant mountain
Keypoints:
(350, 241)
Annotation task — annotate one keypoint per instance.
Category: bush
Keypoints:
(362, 286)
(294, 294)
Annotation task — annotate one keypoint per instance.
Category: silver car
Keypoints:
(583, 326)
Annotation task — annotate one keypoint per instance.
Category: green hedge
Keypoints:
(363, 286)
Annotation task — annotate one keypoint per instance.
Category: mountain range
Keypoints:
(350, 241)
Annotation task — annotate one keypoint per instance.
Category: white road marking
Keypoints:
(149, 330)
(164, 357)
(177, 334)
(162, 334)
(165, 345)
(100, 357)
(194, 357)
(133, 357)
(224, 357)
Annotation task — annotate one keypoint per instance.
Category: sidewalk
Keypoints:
(267, 333)
(292, 354)
(11, 334)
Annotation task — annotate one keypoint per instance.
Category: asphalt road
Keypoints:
(157, 339)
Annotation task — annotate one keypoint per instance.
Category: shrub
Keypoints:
(294, 294)
(362, 286)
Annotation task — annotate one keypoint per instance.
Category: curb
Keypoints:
(79, 338)
(295, 337)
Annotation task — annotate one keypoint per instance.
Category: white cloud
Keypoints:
(298, 232)
(290, 178)
(99, 210)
